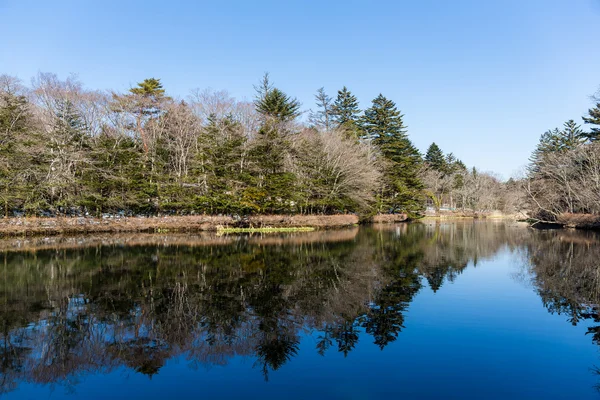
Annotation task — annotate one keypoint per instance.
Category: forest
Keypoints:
(69, 150)
(563, 177)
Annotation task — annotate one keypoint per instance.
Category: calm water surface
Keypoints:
(426, 311)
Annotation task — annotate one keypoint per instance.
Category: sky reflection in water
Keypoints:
(452, 310)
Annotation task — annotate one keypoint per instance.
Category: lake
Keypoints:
(464, 310)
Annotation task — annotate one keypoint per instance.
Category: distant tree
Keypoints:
(435, 157)
(557, 140)
(571, 135)
(548, 143)
(384, 126)
(149, 88)
(274, 189)
(336, 173)
(63, 147)
(593, 118)
(144, 102)
(273, 104)
(182, 128)
(14, 110)
(16, 121)
(460, 166)
(322, 118)
(383, 122)
(345, 111)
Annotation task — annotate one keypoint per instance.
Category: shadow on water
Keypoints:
(69, 308)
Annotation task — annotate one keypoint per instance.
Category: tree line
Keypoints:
(66, 149)
(563, 176)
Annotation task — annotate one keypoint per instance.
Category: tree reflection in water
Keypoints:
(67, 310)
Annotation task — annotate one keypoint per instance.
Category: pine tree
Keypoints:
(548, 143)
(14, 117)
(593, 118)
(460, 166)
(273, 104)
(345, 111)
(69, 126)
(274, 185)
(435, 157)
(15, 122)
(322, 118)
(66, 155)
(144, 103)
(384, 126)
(149, 88)
(383, 122)
(571, 135)
(555, 140)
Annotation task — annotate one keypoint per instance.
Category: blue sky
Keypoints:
(483, 79)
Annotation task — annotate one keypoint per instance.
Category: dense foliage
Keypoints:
(65, 149)
(68, 150)
(564, 173)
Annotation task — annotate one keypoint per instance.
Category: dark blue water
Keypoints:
(457, 310)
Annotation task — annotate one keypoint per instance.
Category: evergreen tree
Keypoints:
(384, 125)
(593, 118)
(549, 142)
(15, 129)
(345, 111)
(144, 102)
(219, 169)
(383, 122)
(435, 157)
(460, 166)
(68, 145)
(115, 182)
(69, 126)
(14, 117)
(149, 88)
(273, 104)
(571, 135)
(322, 118)
(555, 140)
(274, 190)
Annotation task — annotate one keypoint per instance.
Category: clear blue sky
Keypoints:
(483, 79)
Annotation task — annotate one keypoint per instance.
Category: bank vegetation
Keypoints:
(67, 150)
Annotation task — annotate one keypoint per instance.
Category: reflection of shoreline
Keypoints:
(32, 244)
(135, 301)
(564, 267)
(436, 222)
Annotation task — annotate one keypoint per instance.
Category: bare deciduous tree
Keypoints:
(346, 168)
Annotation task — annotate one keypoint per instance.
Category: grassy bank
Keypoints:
(474, 215)
(170, 224)
(568, 220)
(389, 218)
(579, 221)
(267, 229)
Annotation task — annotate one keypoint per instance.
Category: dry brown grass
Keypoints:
(581, 221)
(389, 218)
(197, 223)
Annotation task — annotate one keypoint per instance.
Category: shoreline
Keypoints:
(589, 222)
(55, 226)
(40, 226)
